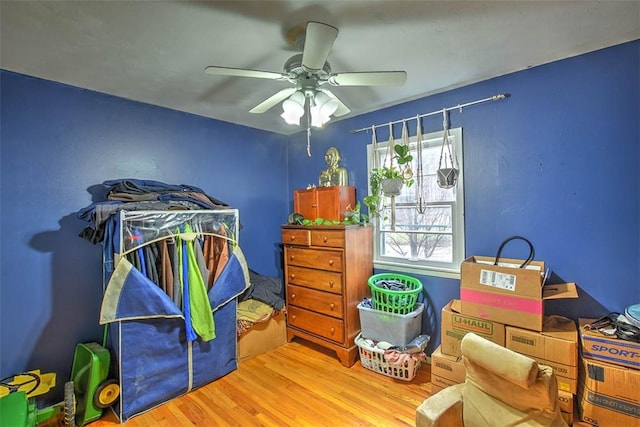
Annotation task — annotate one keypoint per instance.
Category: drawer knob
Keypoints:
(293, 296)
(293, 318)
(291, 257)
(293, 276)
(330, 262)
(324, 239)
(293, 238)
(333, 330)
(314, 206)
(332, 306)
(331, 284)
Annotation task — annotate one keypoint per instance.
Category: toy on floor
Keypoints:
(18, 404)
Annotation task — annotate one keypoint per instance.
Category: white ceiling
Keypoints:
(156, 51)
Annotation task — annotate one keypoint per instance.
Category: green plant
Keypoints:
(352, 216)
(402, 158)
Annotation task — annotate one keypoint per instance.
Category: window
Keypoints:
(429, 241)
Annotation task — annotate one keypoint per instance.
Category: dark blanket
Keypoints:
(264, 288)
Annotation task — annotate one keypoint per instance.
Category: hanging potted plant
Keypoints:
(448, 168)
(393, 179)
(389, 180)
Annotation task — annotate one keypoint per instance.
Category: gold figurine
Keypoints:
(334, 174)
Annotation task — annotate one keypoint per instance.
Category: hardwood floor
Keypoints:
(297, 384)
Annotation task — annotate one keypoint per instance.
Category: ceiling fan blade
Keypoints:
(241, 72)
(318, 42)
(370, 78)
(273, 100)
(342, 109)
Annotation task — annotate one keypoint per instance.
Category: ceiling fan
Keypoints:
(308, 72)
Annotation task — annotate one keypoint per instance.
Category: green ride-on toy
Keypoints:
(85, 396)
(18, 404)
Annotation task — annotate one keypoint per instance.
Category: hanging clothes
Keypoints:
(216, 253)
(197, 309)
(183, 258)
(166, 270)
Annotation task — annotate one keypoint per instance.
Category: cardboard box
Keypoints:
(262, 337)
(507, 294)
(557, 342)
(608, 394)
(561, 371)
(605, 411)
(448, 367)
(611, 380)
(555, 346)
(441, 382)
(456, 325)
(566, 401)
(596, 345)
(567, 417)
(570, 385)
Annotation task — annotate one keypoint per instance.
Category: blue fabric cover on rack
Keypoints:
(148, 338)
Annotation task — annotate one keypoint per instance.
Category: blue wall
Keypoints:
(557, 162)
(58, 144)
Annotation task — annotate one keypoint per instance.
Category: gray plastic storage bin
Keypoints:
(396, 329)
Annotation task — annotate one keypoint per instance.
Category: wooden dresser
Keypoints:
(326, 272)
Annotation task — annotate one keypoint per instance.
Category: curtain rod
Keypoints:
(457, 107)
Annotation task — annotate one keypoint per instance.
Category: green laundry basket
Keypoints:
(394, 301)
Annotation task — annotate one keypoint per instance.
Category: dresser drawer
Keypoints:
(322, 302)
(318, 324)
(327, 238)
(328, 281)
(296, 237)
(314, 258)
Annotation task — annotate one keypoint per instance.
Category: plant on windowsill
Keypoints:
(389, 180)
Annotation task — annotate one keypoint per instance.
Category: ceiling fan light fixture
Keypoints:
(291, 119)
(327, 105)
(322, 109)
(317, 120)
(293, 108)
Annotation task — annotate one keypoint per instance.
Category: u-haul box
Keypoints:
(456, 325)
(448, 367)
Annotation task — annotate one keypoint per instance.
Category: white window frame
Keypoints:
(424, 267)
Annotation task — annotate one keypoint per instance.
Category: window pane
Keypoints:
(418, 236)
(429, 221)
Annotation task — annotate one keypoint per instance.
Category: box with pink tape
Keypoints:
(508, 293)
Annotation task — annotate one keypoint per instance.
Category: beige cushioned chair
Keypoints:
(502, 388)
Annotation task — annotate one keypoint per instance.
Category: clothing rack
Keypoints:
(159, 225)
(163, 347)
(433, 113)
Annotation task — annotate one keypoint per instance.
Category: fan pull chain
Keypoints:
(374, 147)
(308, 128)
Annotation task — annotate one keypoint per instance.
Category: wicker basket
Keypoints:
(373, 359)
(392, 301)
